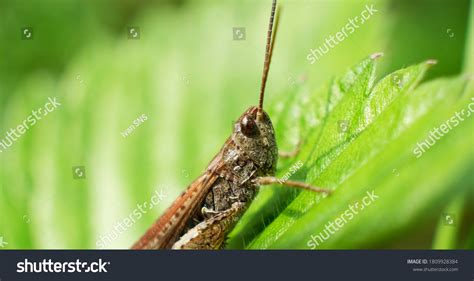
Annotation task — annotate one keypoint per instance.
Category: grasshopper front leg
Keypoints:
(291, 154)
(211, 233)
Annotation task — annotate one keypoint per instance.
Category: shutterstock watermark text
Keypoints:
(17, 132)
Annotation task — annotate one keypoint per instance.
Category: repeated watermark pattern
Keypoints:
(136, 123)
(79, 78)
(238, 33)
(78, 172)
(397, 80)
(15, 133)
(185, 173)
(133, 32)
(342, 126)
(396, 172)
(450, 32)
(127, 222)
(26, 219)
(449, 219)
(27, 33)
(437, 133)
(291, 81)
(185, 79)
(334, 40)
(333, 226)
(292, 171)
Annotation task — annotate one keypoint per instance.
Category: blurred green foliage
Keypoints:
(374, 153)
(191, 79)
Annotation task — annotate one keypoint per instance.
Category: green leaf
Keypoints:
(371, 153)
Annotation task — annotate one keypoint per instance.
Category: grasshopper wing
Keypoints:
(169, 226)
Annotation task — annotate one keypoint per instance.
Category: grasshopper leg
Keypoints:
(211, 233)
(291, 154)
(296, 184)
(208, 213)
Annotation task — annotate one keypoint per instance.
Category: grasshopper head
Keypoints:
(256, 137)
(253, 132)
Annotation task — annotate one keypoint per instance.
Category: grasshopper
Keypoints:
(203, 215)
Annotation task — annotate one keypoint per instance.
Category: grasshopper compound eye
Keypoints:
(256, 150)
(248, 127)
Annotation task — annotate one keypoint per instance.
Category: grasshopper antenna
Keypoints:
(268, 56)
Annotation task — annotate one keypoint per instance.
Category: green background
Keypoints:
(191, 79)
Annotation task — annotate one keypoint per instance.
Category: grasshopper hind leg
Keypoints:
(296, 184)
(211, 233)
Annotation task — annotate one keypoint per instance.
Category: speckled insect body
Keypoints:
(203, 215)
(251, 152)
(220, 197)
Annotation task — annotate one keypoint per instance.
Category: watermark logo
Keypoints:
(79, 172)
(133, 32)
(437, 133)
(79, 79)
(184, 79)
(449, 219)
(185, 173)
(334, 40)
(342, 126)
(332, 227)
(49, 266)
(135, 215)
(291, 81)
(397, 80)
(450, 33)
(396, 172)
(238, 33)
(15, 133)
(26, 219)
(26, 33)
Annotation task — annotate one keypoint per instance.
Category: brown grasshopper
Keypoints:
(207, 211)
